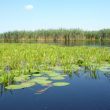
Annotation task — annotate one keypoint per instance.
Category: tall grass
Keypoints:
(55, 35)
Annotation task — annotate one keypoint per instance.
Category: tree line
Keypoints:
(65, 35)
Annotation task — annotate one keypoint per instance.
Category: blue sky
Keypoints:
(47, 14)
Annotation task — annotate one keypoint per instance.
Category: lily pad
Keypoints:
(14, 87)
(20, 86)
(58, 77)
(50, 73)
(37, 75)
(61, 84)
(21, 78)
(41, 80)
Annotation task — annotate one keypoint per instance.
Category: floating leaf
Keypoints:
(27, 84)
(41, 80)
(58, 77)
(37, 75)
(61, 84)
(21, 78)
(50, 73)
(14, 87)
(45, 82)
(20, 86)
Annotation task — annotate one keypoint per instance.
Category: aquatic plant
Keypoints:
(20, 62)
(24, 82)
(20, 86)
(55, 35)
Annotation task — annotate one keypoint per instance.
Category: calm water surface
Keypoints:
(83, 93)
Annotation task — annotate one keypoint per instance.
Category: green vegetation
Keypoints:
(24, 65)
(23, 81)
(55, 35)
(20, 86)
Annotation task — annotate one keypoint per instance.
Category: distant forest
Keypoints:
(55, 35)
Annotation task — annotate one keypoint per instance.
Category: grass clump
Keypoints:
(18, 60)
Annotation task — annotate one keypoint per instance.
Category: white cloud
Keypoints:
(29, 7)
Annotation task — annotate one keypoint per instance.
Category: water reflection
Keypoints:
(86, 74)
(1, 89)
(107, 75)
(68, 43)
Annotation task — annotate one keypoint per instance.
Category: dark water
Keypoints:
(84, 93)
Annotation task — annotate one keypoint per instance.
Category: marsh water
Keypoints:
(85, 92)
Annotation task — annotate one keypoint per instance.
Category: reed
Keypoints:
(55, 35)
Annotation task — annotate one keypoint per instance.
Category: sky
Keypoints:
(54, 14)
